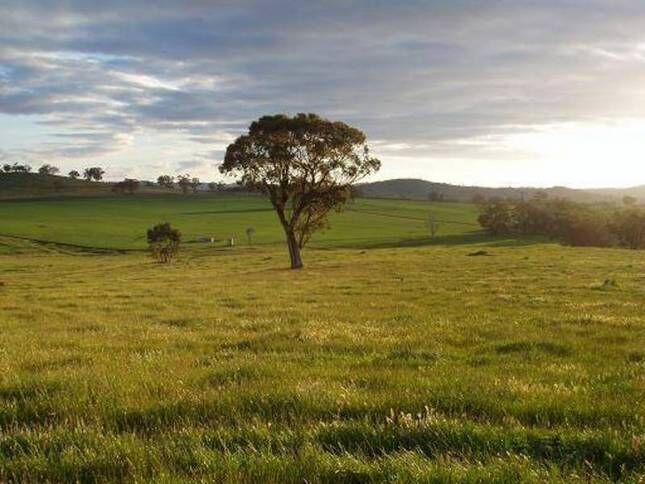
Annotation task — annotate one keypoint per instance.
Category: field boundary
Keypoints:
(78, 247)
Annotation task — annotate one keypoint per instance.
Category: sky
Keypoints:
(473, 92)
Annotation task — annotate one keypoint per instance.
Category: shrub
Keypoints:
(498, 217)
(163, 242)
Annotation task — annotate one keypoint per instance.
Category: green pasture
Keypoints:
(121, 222)
(389, 358)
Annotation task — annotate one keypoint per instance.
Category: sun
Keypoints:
(585, 155)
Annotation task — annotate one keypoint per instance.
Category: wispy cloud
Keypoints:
(429, 80)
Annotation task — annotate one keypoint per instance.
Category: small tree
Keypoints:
(194, 184)
(74, 174)
(306, 165)
(250, 232)
(163, 242)
(629, 201)
(184, 182)
(47, 169)
(166, 181)
(94, 173)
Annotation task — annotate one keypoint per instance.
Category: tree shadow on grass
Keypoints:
(471, 238)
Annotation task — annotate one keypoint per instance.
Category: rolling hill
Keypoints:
(35, 185)
(416, 189)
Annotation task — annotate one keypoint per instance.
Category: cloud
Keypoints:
(430, 80)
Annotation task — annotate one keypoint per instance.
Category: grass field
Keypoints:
(121, 222)
(386, 359)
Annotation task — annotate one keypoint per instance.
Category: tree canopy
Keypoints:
(94, 173)
(305, 164)
(47, 169)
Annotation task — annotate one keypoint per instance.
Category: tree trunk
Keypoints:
(294, 249)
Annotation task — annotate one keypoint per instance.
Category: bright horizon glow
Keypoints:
(576, 155)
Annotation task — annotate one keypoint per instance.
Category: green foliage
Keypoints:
(94, 173)
(306, 165)
(74, 174)
(16, 168)
(188, 183)
(47, 169)
(498, 217)
(572, 223)
(163, 242)
(166, 181)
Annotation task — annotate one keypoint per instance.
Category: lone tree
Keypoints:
(94, 173)
(305, 164)
(74, 174)
(163, 242)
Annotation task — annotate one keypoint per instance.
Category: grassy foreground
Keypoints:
(408, 364)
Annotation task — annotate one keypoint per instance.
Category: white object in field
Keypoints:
(231, 242)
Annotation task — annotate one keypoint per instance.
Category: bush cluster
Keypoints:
(569, 222)
(163, 242)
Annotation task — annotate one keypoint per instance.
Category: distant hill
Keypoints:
(35, 185)
(415, 189)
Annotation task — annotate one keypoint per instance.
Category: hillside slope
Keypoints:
(415, 189)
(35, 185)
